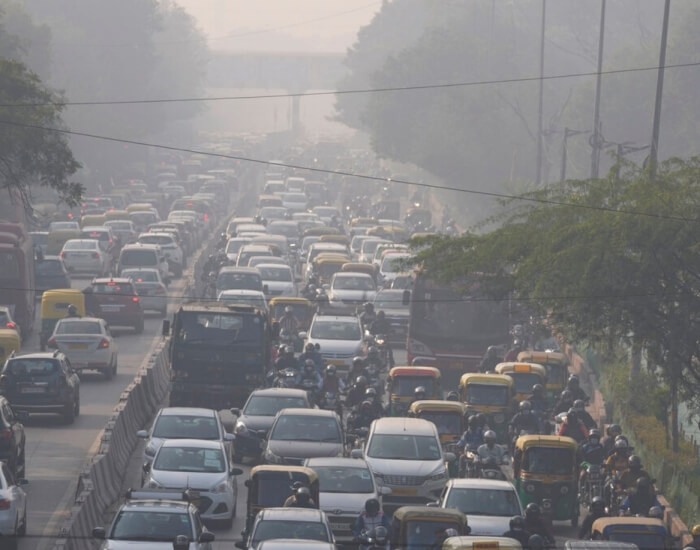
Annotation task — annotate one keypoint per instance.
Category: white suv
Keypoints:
(340, 338)
(170, 248)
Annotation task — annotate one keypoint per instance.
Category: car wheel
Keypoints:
(108, 372)
(138, 328)
(69, 414)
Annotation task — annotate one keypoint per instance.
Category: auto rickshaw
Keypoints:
(303, 310)
(421, 527)
(646, 533)
(56, 240)
(9, 342)
(394, 234)
(93, 220)
(481, 543)
(320, 231)
(54, 306)
(492, 395)
(325, 265)
(139, 207)
(557, 366)
(340, 239)
(112, 215)
(269, 486)
(403, 382)
(524, 375)
(545, 471)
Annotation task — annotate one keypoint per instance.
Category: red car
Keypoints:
(116, 301)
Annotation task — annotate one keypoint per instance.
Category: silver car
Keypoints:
(13, 515)
(84, 255)
(288, 523)
(350, 290)
(340, 338)
(88, 344)
(152, 291)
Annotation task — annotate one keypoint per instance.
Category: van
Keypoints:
(143, 255)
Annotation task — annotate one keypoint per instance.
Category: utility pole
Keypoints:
(654, 154)
(596, 138)
(538, 179)
(568, 132)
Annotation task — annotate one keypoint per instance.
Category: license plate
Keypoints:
(111, 308)
(77, 346)
(402, 491)
(32, 389)
(339, 526)
(336, 362)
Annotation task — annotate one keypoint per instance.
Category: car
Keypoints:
(115, 300)
(489, 504)
(271, 213)
(87, 343)
(152, 291)
(203, 466)
(50, 272)
(183, 423)
(405, 455)
(85, 256)
(171, 250)
(350, 290)
(13, 512)
(249, 250)
(150, 520)
(123, 229)
(288, 523)
(64, 226)
(295, 544)
(40, 240)
(139, 255)
(41, 383)
(295, 202)
(345, 485)
(326, 213)
(278, 280)
(12, 439)
(233, 246)
(238, 278)
(340, 338)
(287, 228)
(254, 420)
(369, 246)
(295, 184)
(6, 319)
(252, 297)
(298, 434)
(391, 302)
(104, 236)
(391, 266)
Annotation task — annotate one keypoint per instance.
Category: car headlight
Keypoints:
(272, 458)
(240, 429)
(440, 476)
(222, 487)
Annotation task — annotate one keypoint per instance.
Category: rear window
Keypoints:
(80, 245)
(78, 327)
(32, 367)
(122, 289)
(249, 281)
(155, 239)
(122, 226)
(138, 257)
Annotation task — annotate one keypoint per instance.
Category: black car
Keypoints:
(12, 438)
(49, 273)
(41, 383)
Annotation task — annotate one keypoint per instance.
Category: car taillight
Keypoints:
(61, 255)
(5, 504)
(134, 299)
(206, 217)
(10, 324)
(52, 343)
(104, 343)
(5, 434)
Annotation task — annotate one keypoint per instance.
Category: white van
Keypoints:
(143, 255)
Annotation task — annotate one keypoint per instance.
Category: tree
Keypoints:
(606, 261)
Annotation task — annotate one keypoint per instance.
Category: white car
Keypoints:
(85, 256)
(351, 290)
(170, 248)
(368, 247)
(64, 226)
(278, 280)
(405, 455)
(153, 293)
(288, 523)
(391, 267)
(340, 338)
(87, 343)
(13, 513)
(233, 246)
(243, 296)
(200, 465)
(490, 504)
(326, 213)
(295, 202)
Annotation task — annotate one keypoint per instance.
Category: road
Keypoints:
(56, 453)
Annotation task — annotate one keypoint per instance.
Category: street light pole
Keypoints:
(596, 138)
(654, 154)
(568, 132)
(538, 178)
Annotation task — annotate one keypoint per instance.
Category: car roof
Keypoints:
(277, 266)
(308, 412)
(103, 280)
(292, 514)
(238, 269)
(82, 319)
(337, 318)
(155, 505)
(353, 274)
(197, 443)
(336, 461)
(130, 269)
(242, 292)
(280, 392)
(413, 426)
(38, 355)
(187, 411)
(81, 241)
(477, 483)
(294, 544)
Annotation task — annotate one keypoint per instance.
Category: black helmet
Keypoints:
(517, 522)
(597, 504)
(309, 364)
(594, 436)
(643, 483)
(621, 444)
(357, 361)
(309, 348)
(525, 406)
(490, 435)
(370, 393)
(537, 389)
(532, 510)
(452, 396)
(622, 438)
(303, 495)
(573, 381)
(634, 462)
(481, 418)
(491, 351)
(372, 507)
(579, 405)
(419, 392)
(613, 430)
(566, 395)
(656, 512)
(473, 421)
(535, 542)
(369, 306)
(331, 370)
(72, 310)
(361, 381)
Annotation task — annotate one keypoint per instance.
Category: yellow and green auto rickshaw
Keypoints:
(113, 215)
(326, 264)
(402, 383)
(481, 543)
(492, 395)
(524, 375)
(646, 533)
(93, 220)
(320, 231)
(335, 238)
(9, 342)
(557, 366)
(421, 527)
(56, 240)
(269, 486)
(54, 306)
(545, 471)
(303, 310)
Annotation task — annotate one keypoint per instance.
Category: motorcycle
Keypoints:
(385, 355)
(592, 484)
(286, 378)
(209, 280)
(373, 379)
(490, 469)
(311, 388)
(330, 401)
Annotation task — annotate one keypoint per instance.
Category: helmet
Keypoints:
(288, 309)
(303, 495)
(613, 430)
(361, 381)
(695, 531)
(490, 436)
(330, 370)
(491, 351)
(369, 306)
(366, 407)
(473, 421)
(453, 396)
(573, 381)
(537, 389)
(370, 393)
(656, 512)
(621, 444)
(535, 542)
(381, 314)
(289, 349)
(372, 507)
(282, 349)
(380, 535)
(72, 310)
(594, 435)
(525, 406)
(634, 462)
(481, 418)
(358, 361)
(532, 510)
(309, 364)
(517, 522)
(579, 405)
(419, 392)
(566, 395)
(597, 504)
(317, 346)
(643, 483)
(309, 348)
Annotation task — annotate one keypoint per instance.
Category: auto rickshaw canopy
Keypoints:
(9, 341)
(411, 525)
(438, 405)
(524, 375)
(93, 220)
(112, 215)
(55, 302)
(270, 485)
(646, 533)
(335, 238)
(481, 543)
(303, 309)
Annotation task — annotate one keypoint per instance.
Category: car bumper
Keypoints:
(342, 526)
(216, 506)
(159, 303)
(83, 265)
(7, 522)
(92, 360)
(121, 319)
(248, 445)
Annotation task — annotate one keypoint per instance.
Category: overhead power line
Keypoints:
(367, 177)
(352, 91)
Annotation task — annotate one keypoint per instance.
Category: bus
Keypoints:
(451, 329)
(17, 274)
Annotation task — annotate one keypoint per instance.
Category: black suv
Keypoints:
(41, 383)
(12, 438)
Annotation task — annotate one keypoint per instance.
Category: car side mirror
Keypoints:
(207, 536)
(142, 434)
(229, 437)
(235, 472)
(99, 533)
(356, 453)
(235, 411)
(406, 297)
(166, 328)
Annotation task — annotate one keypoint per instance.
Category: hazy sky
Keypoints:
(273, 25)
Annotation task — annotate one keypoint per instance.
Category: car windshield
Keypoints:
(286, 229)
(31, 367)
(181, 426)
(445, 422)
(49, 267)
(294, 197)
(292, 427)
(141, 275)
(138, 257)
(276, 274)
(262, 405)
(422, 534)
(218, 328)
(279, 529)
(483, 502)
(234, 246)
(548, 460)
(80, 245)
(248, 281)
(190, 459)
(523, 381)
(63, 226)
(119, 225)
(341, 479)
(78, 327)
(392, 263)
(370, 245)
(353, 283)
(487, 394)
(336, 330)
(406, 385)
(404, 447)
(150, 526)
(155, 239)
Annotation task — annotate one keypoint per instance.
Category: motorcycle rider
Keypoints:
(618, 461)
(566, 401)
(573, 384)
(373, 358)
(309, 372)
(471, 440)
(592, 452)
(73, 312)
(370, 518)
(286, 360)
(311, 353)
(641, 500)
(524, 420)
(512, 354)
(356, 393)
(583, 414)
(309, 290)
(517, 530)
(597, 510)
(635, 470)
(372, 396)
(611, 432)
(289, 322)
(380, 325)
(357, 369)
(573, 427)
(361, 417)
(368, 316)
(332, 383)
(538, 399)
(300, 499)
(535, 523)
(489, 360)
(452, 396)
(490, 449)
(419, 394)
